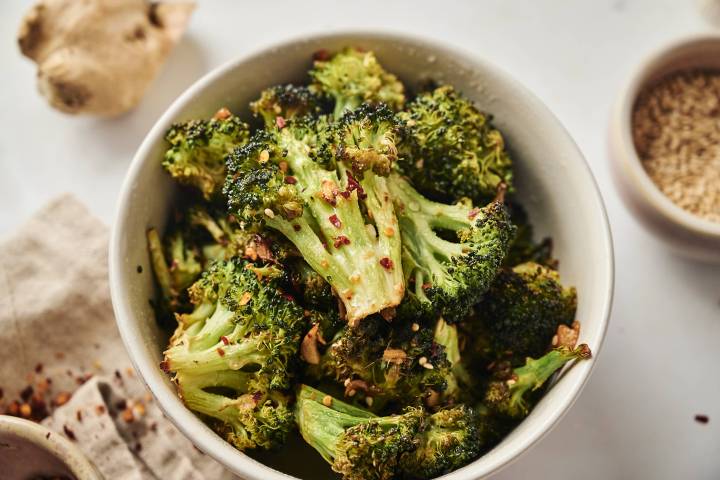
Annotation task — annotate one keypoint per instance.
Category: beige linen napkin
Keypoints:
(61, 353)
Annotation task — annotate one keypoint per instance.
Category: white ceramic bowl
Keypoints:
(552, 177)
(29, 450)
(685, 233)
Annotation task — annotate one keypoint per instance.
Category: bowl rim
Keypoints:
(154, 378)
(53, 443)
(650, 192)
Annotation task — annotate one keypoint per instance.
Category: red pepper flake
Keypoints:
(78, 415)
(221, 352)
(47, 436)
(296, 227)
(39, 368)
(287, 296)
(345, 194)
(69, 433)
(426, 285)
(165, 366)
(225, 340)
(703, 419)
(335, 221)
(118, 375)
(386, 263)
(290, 180)
(321, 55)
(121, 404)
(100, 409)
(280, 122)
(341, 240)
(353, 184)
(473, 213)
(153, 427)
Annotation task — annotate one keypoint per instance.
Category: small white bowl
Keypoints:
(29, 450)
(553, 180)
(685, 233)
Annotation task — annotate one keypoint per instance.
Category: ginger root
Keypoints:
(99, 56)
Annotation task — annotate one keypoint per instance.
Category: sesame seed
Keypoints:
(327, 400)
(269, 213)
(555, 340)
(351, 392)
(422, 361)
(347, 382)
(264, 156)
(415, 327)
(369, 401)
(428, 366)
(511, 382)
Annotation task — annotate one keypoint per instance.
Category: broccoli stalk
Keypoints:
(279, 179)
(234, 350)
(359, 445)
(198, 148)
(510, 397)
(447, 336)
(353, 77)
(449, 275)
(176, 265)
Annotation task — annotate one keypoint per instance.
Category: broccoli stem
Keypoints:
(234, 356)
(160, 267)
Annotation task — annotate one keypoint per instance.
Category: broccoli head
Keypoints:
(450, 149)
(352, 77)
(449, 275)
(344, 227)
(360, 445)
(285, 102)
(512, 397)
(198, 149)
(522, 311)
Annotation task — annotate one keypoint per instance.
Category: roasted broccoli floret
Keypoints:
(285, 102)
(341, 220)
(524, 248)
(198, 148)
(359, 445)
(450, 150)
(243, 336)
(449, 275)
(522, 311)
(512, 397)
(353, 77)
(384, 363)
(460, 383)
(176, 264)
(315, 291)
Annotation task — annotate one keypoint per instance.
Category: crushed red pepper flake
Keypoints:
(341, 240)
(39, 368)
(386, 263)
(700, 418)
(473, 213)
(290, 180)
(165, 366)
(296, 227)
(335, 221)
(100, 409)
(69, 433)
(221, 352)
(26, 393)
(280, 122)
(225, 340)
(79, 416)
(353, 184)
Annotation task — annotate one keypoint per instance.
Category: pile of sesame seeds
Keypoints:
(676, 130)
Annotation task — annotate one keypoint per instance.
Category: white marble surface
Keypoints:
(658, 367)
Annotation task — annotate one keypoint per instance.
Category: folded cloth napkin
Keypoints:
(63, 362)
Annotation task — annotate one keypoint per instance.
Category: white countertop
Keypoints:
(659, 365)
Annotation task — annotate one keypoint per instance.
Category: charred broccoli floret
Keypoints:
(359, 445)
(450, 150)
(285, 102)
(198, 148)
(352, 77)
(277, 180)
(522, 311)
(243, 336)
(449, 275)
(512, 397)
(316, 293)
(383, 363)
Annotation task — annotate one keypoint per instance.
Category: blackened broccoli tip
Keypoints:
(353, 77)
(359, 445)
(241, 324)
(451, 150)
(523, 309)
(509, 397)
(277, 180)
(451, 274)
(280, 103)
(197, 150)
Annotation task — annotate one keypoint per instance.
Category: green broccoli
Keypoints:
(359, 445)
(512, 397)
(386, 363)
(522, 311)
(314, 290)
(353, 77)
(461, 383)
(285, 102)
(451, 150)
(449, 276)
(344, 228)
(242, 336)
(198, 148)
(176, 264)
